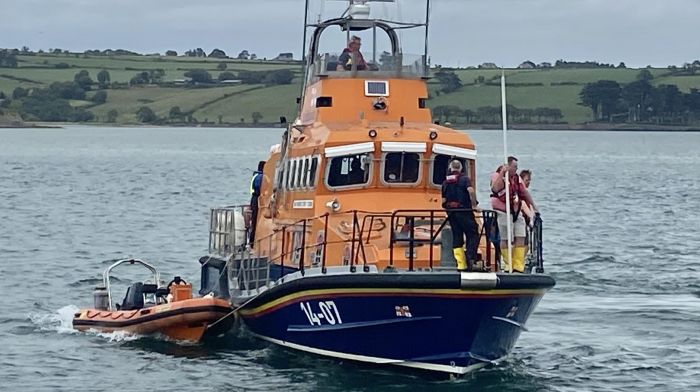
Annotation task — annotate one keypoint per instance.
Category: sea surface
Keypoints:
(621, 212)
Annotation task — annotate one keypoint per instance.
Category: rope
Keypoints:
(229, 314)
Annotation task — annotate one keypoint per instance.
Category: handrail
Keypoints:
(437, 220)
(105, 275)
(535, 243)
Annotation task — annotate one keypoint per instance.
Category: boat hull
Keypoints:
(182, 320)
(422, 320)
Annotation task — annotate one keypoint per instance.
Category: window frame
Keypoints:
(401, 184)
(366, 184)
(467, 168)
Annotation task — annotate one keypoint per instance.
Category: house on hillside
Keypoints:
(230, 82)
(544, 65)
(285, 57)
(527, 65)
(488, 66)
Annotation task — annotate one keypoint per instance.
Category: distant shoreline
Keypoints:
(476, 127)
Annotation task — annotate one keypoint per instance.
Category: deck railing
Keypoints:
(253, 270)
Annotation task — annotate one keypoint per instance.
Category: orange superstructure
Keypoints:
(378, 122)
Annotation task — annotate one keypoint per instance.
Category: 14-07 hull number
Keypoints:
(327, 313)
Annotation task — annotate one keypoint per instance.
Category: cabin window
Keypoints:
(300, 173)
(401, 167)
(287, 174)
(305, 173)
(349, 170)
(293, 175)
(441, 166)
(312, 172)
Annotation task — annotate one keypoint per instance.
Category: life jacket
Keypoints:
(454, 191)
(516, 194)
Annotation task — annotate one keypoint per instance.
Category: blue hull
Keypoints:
(426, 321)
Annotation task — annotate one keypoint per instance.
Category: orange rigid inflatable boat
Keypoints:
(148, 308)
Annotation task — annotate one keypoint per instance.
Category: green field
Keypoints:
(554, 87)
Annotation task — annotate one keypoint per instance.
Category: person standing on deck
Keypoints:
(518, 194)
(528, 213)
(255, 184)
(458, 193)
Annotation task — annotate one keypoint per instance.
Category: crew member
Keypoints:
(352, 54)
(458, 193)
(518, 194)
(255, 184)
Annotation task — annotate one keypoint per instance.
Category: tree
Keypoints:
(141, 78)
(67, 90)
(146, 115)
(227, 75)
(244, 55)
(176, 113)
(200, 53)
(8, 59)
(103, 78)
(100, 97)
(637, 97)
(19, 93)
(222, 66)
(280, 76)
(199, 76)
(449, 80)
(112, 116)
(446, 111)
(218, 54)
(667, 101)
(645, 74)
(83, 79)
(257, 116)
(156, 75)
(170, 53)
(601, 97)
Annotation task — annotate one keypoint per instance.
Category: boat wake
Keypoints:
(61, 321)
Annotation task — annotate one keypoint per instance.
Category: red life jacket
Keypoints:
(516, 189)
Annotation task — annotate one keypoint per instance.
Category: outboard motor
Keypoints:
(134, 297)
(214, 277)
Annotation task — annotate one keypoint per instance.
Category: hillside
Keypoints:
(233, 103)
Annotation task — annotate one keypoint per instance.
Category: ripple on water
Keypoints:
(623, 315)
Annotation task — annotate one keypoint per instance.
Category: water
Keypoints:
(621, 213)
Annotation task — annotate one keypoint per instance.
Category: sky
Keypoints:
(462, 32)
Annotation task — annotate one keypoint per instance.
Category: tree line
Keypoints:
(53, 103)
(492, 115)
(641, 101)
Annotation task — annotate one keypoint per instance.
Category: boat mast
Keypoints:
(504, 116)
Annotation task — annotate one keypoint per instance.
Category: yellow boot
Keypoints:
(519, 258)
(505, 260)
(461, 258)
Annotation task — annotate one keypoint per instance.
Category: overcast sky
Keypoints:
(463, 32)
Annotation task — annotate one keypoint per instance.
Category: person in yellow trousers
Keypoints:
(459, 200)
(518, 195)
